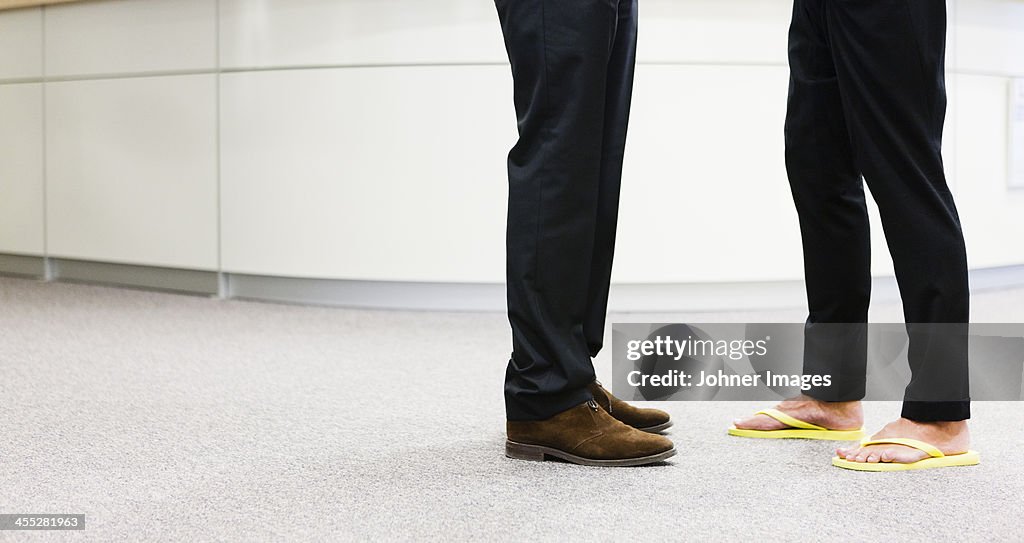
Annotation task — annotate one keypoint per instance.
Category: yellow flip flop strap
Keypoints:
(932, 450)
(788, 420)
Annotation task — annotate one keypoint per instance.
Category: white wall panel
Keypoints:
(713, 31)
(21, 168)
(131, 170)
(122, 36)
(21, 38)
(992, 214)
(371, 173)
(990, 36)
(705, 194)
(334, 32)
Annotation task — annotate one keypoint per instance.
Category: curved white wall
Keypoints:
(366, 139)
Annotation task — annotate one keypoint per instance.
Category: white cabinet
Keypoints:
(21, 39)
(358, 32)
(367, 139)
(130, 36)
(131, 169)
(366, 173)
(21, 169)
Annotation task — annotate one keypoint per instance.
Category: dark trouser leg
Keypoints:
(561, 54)
(829, 196)
(619, 92)
(890, 66)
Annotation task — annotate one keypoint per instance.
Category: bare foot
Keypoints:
(950, 438)
(830, 415)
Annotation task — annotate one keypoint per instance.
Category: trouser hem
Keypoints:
(523, 408)
(937, 411)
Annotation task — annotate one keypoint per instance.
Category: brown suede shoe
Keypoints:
(648, 420)
(587, 435)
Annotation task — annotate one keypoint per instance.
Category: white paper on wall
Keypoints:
(1016, 151)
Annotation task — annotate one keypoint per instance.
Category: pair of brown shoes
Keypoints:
(605, 431)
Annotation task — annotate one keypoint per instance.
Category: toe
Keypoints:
(897, 455)
(749, 423)
(757, 422)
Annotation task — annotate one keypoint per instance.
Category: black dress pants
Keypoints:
(867, 99)
(572, 67)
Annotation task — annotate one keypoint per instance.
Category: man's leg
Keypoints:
(829, 196)
(561, 53)
(890, 63)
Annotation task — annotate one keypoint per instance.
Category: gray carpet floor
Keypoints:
(175, 418)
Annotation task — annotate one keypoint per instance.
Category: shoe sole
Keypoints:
(657, 429)
(970, 458)
(798, 433)
(537, 453)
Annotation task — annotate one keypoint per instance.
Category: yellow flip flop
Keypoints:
(936, 458)
(798, 429)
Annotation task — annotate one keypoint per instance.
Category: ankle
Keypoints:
(845, 408)
(946, 427)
